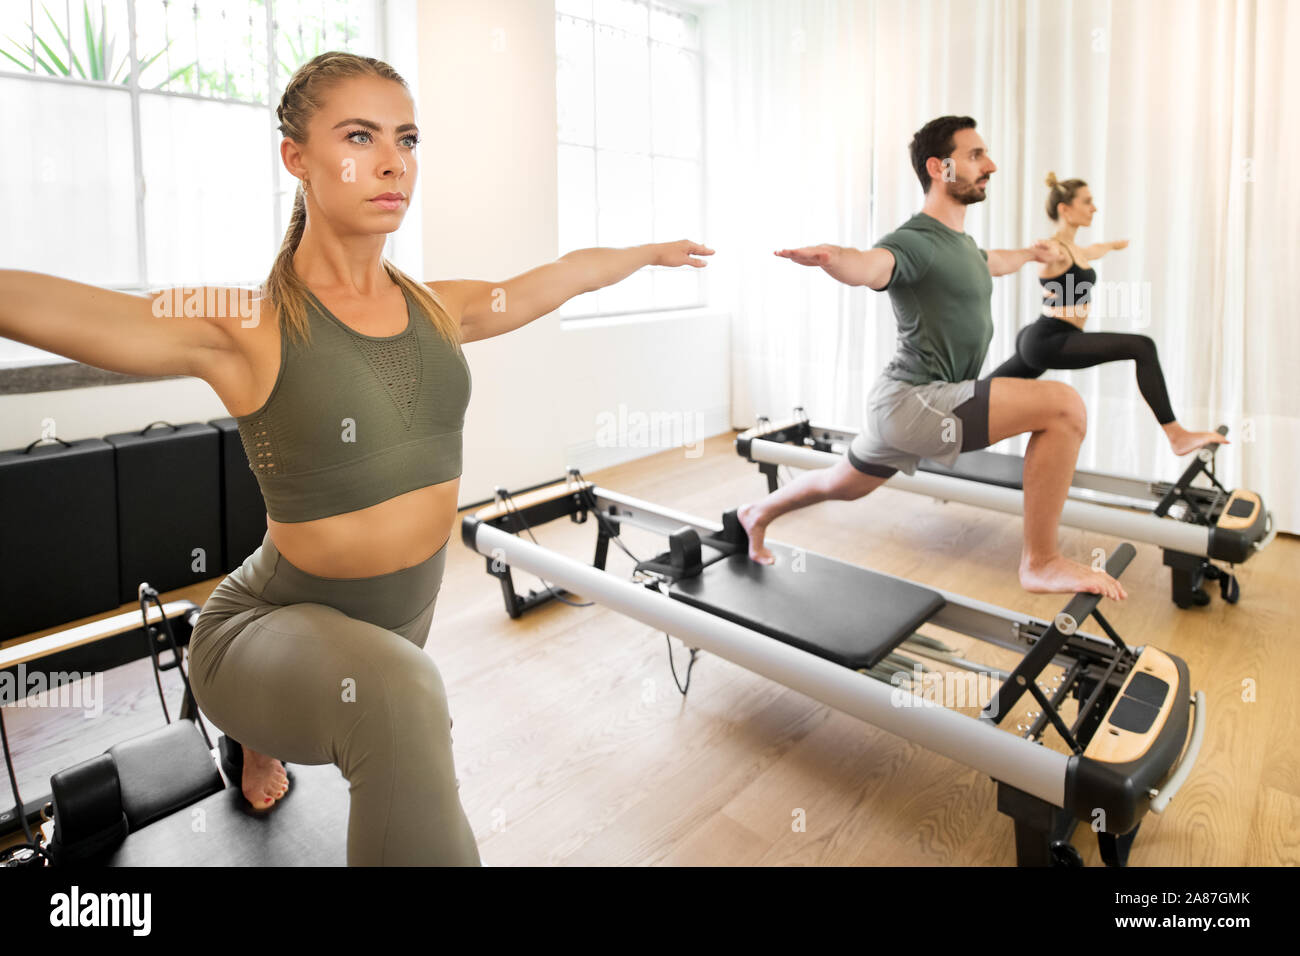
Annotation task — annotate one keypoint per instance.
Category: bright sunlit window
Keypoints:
(169, 177)
(629, 97)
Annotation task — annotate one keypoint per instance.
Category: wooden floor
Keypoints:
(574, 747)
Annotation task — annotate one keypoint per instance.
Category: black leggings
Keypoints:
(1055, 343)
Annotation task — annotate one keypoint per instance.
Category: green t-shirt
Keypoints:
(940, 290)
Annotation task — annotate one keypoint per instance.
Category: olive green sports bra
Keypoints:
(356, 419)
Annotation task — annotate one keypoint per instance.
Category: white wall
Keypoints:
(486, 96)
(487, 84)
(488, 182)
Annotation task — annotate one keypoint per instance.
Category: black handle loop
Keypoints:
(152, 424)
(56, 438)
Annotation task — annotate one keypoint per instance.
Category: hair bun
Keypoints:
(1052, 181)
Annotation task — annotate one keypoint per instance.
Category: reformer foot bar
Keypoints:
(1194, 524)
(828, 629)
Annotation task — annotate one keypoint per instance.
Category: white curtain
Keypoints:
(1174, 113)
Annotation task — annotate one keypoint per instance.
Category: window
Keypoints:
(629, 95)
(171, 177)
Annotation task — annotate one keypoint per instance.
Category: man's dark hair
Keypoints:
(935, 138)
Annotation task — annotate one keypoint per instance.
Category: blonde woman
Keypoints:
(349, 387)
(1056, 338)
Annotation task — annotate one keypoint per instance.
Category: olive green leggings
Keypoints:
(315, 670)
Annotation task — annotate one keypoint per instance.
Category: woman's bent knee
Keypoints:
(399, 694)
(421, 688)
(1142, 348)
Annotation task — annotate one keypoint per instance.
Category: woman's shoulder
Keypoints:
(1060, 260)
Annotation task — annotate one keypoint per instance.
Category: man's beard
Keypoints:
(966, 193)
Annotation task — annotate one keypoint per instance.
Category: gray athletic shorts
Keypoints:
(906, 423)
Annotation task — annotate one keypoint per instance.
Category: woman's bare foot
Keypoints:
(1060, 575)
(748, 516)
(1184, 442)
(264, 779)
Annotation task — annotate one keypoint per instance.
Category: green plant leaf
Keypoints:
(73, 61)
(55, 23)
(175, 73)
(105, 44)
(92, 54)
(125, 64)
(33, 55)
(107, 52)
(27, 67)
(145, 64)
(21, 48)
(63, 70)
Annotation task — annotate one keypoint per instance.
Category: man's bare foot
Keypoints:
(748, 516)
(264, 779)
(1184, 442)
(1060, 575)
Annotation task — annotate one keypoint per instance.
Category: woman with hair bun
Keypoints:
(1056, 338)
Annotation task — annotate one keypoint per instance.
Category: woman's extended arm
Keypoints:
(1099, 249)
(487, 309)
(117, 331)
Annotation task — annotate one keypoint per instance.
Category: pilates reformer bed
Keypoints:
(1194, 524)
(1132, 741)
(842, 635)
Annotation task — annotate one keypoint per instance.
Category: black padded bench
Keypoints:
(862, 618)
(309, 827)
(986, 467)
(159, 800)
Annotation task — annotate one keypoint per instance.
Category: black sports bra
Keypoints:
(1071, 287)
